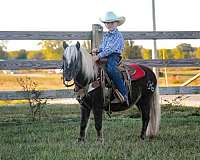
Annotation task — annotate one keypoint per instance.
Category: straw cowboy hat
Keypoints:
(111, 17)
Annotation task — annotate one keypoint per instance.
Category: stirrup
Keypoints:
(118, 95)
(116, 100)
(126, 101)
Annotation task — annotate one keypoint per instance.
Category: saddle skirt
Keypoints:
(135, 71)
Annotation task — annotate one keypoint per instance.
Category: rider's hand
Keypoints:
(95, 58)
(95, 50)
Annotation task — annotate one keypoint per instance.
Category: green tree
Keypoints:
(3, 44)
(131, 51)
(12, 54)
(3, 53)
(22, 54)
(126, 50)
(177, 53)
(52, 49)
(197, 53)
(136, 52)
(39, 55)
(186, 49)
(170, 54)
(163, 53)
(146, 53)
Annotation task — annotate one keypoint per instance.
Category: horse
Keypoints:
(79, 67)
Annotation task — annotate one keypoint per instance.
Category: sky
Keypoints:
(79, 15)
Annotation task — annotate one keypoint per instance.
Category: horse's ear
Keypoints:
(65, 45)
(78, 45)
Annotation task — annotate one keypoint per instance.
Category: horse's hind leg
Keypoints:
(85, 114)
(98, 111)
(144, 107)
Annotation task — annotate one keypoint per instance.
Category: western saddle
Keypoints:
(109, 91)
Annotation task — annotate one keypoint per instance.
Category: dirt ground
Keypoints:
(185, 100)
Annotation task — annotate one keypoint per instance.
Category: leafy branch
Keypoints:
(36, 104)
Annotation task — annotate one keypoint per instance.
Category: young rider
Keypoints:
(111, 47)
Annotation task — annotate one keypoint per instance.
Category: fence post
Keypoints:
(97, 33)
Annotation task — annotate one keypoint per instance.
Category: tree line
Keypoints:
(183, 50)
(50, 50)
(53, 50)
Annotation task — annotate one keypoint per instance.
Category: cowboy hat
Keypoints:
(111, 17)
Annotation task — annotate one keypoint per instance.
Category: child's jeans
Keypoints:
(115, 74)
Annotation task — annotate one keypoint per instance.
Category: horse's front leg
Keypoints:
(85, 114)
(98, 113)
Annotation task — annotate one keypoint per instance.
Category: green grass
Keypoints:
(54, 137)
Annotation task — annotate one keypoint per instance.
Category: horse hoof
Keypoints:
(81, 140)
(100, 140)
(151, 137)
(142, 137)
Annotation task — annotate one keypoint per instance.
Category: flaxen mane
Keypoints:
(88, 67)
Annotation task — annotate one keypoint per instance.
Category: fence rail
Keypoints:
(36, 64)
(44, 94)
(69, 93)
(86, 35)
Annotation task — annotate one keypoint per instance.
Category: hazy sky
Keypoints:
(79, 15)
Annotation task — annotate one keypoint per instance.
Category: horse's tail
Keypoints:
(154, 121)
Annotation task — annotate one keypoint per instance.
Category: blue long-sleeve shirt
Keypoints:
(113, 42)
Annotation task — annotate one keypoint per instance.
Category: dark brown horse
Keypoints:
(79, 66)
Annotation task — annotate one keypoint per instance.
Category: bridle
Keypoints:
(66, 83)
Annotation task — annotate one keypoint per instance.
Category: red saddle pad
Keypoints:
(136, 72)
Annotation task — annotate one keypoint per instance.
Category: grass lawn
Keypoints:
(54, 136)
